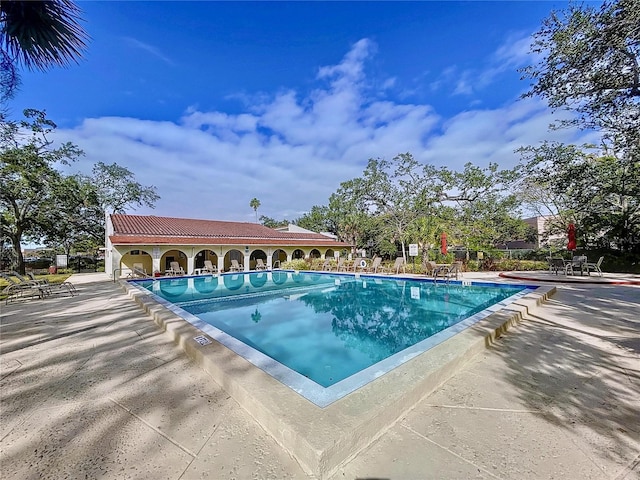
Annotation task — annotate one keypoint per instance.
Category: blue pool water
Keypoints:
(327, 327)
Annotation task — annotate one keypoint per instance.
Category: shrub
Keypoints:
(297, 264)
(509, 265)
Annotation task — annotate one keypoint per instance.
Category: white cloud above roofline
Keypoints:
(292, 150)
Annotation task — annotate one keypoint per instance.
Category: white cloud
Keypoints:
(511, 55)
(291, 151)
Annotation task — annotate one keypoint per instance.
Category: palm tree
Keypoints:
(255, 203)
(38, 35)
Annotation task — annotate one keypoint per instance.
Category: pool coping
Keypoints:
(323, 439)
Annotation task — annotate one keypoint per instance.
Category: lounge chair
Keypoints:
(68, 285)
(138, 270)
(375, 265)
(260, 265)
(31, 288)
(588, 266)
(15, 284)
(175, 269)
(340, 265)
(20, 279)
(236, 267)
(18, 289)
(360, 264)
(399, 264)
(209, 267)
(326, 265)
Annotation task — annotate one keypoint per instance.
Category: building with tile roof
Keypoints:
(154, 242)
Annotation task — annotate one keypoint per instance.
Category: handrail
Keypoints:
(114, 273)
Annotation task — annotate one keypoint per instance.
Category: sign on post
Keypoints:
(413, 249)
(61, 261)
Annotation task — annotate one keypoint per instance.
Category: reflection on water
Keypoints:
(327, 327)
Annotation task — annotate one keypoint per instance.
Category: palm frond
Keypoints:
(42, 34)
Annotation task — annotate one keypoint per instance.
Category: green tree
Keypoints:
(404, 190)
(255, 204)
(69, 217)
(38, 35)
(599, 193)
(28, 176)
(590, 64)
(348, 216)
(117, 190)
(317, 219)
(272, 222)
(39, 203)
(79, 202)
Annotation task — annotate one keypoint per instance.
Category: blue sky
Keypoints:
(215, 103)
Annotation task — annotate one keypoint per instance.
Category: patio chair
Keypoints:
(236, 267)
(576, 262)
(138, 270)
(375, 265)
(326, 265)
(20, 279)
(430, 268)
(556, 264)
(16, 283)
(448, 271)
(209, 267)
(260, 265)
(399, 264)
(360, 264)
(175, 269)
(340, 265)
(588, 266)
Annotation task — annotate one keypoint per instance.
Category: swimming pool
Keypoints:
(326, 335)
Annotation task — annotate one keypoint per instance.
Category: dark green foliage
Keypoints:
(38, 35)
(39, 203)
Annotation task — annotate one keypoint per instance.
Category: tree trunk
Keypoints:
(17, 248)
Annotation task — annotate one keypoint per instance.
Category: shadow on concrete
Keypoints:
(577, 363)
(92, 388)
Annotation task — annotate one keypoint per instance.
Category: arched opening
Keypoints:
(279, 277)
(315, 253)
(202, 255)
(138, 259)
(173, 288)
(297, 254)
(278, 258)
(258, 279)
(206, 284)
(173, 256)
(236, 255)
(330, 253)
(233, 282)
(255, 255)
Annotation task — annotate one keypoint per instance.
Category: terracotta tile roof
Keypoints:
(149, 229)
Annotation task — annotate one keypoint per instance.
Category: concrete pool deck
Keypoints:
(91, 387)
